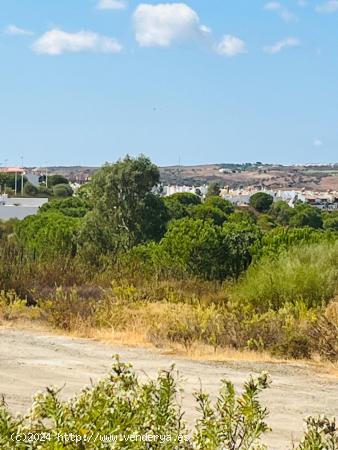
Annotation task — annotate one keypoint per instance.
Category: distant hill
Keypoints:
(311, 177)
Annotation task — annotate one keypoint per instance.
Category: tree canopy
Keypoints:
(261, 201)
(126, 211)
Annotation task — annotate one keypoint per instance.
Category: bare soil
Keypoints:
(31, 361)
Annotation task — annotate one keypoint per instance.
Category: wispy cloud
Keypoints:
(163, 24)
(13, 30)
(57, 42)
(281, 45)
(327, 7)
(111, 4)
(230, 46)
(281, 10)
(318, 143)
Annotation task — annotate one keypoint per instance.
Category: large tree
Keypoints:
(178, 204)
(306, 216)
(126, 211)
(261, 201)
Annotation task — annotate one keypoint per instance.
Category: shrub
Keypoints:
(11, 306)
(62, 190)
(49, 234)
(307, 273)
(224, 205)
(194, 246)
(30, 190)
(282, 239)
(324, 333)
(120, 412)
(321, 434)
(261, 201)
(67, 309)
(306, 216)
(132, 413)
(72, 207)
(208, 212)
(178, 204)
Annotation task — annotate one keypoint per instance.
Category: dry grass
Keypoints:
(197, 352)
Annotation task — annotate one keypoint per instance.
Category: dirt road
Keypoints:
(30, 361)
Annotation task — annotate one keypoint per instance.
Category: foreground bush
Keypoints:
(121, 413)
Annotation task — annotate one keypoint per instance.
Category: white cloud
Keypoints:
(302, 3)
(13, 30)
(162, 24)
(283, 12)
(328, 7)
(272, 6)
(56, 42)
(280, 45)
(317, 143)
(111, 4)
(231, 46)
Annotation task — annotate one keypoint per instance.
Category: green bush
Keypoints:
(121, 413)
(72, 207)
(48, 234)
(282, 239)
(194, 246)
(220, 203)
(308, 273)
(306, 216)
(139, 416)
(30, 190)
(62, 190)
(178, 204)
(208, 212)
(261, 201)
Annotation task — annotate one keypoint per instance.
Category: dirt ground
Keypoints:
(30, 361)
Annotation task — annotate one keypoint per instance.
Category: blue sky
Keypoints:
(206, 81)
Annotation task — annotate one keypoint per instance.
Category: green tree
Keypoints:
(214, 190)
(30, 190)
(154, 217)
(125, 211)
(62, 190)
(282, 212)
(220, 203)
(208, 212)
(238, 240)
(48, 234)
(265, 222)
(7, 180)
(242, 216)
(178, 204)
(84, 193)
(194, 246)
(261, 201)
(3, 181)
(71, 206)
(330, 221)
(53, 180)
(282, 239)
(306, 216)
(44, 192)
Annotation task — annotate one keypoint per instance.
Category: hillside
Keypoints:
(321, 178)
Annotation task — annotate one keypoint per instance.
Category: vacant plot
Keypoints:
(30, 361)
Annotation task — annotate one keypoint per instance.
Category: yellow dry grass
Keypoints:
(137, 338)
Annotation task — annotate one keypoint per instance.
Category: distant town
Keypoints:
(314, 184)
